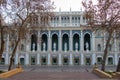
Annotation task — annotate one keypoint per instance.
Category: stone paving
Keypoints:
(56, 73)
(54, 76)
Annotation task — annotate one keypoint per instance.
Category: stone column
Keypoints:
(70, 20)
(81, 48)
(81, 19)
(59, 20)
(7, 50)
(115, 49)
(60, 41)
(81, 41)
(60, 60)
(26, 59)
(38, 58)
(71, 41)
(82, 59)
(38, 41)
(49, 59)
(71, 59)
(16, 58)
(49, 41)
(6, 59)
(104, 39)
(93, 49)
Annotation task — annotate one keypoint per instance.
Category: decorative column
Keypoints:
(104, 39)
(82, 59)
(49, 41)
(115, 49)
(6, 59)
(70, 20)
(26, 59)
(93, 49)
(60, 41)
(71, 41)
(16, 57)
(82, 54)
(81, 19)
(7, 50)
(71, 59)
(60, 60)
(38, 42)
(38, 58)
(59, 20)
(81, 40)
(49, 60)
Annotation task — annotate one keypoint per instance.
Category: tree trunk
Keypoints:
(2, 43)
(13, 54)
(106, 52)
(118, 66)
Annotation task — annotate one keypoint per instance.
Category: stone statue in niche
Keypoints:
(44, 46)
(54, 46)
(76, 46)
(87, 46)
(65, 46)
(33, 46)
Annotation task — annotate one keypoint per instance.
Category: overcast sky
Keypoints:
(66, 4)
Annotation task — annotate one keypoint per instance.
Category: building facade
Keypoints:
(66, 42)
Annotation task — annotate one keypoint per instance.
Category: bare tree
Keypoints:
(23, 12)
(2, 28)
(105, 16)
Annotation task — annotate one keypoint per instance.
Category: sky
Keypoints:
(65, 5)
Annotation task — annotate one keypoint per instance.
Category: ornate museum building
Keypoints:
(66, 42)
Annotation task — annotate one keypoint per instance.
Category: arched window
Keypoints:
(65, 42)
(87, 45)
(33, 42)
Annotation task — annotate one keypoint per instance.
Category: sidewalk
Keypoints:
(29, 75)
(55, 73)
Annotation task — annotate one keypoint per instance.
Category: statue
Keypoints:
(65, 46)
(76, 46)
(54, 46)
(44, 46)
(33, 46)
(86, 46)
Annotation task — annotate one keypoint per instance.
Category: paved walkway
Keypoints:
(55, 73)
(54, 76)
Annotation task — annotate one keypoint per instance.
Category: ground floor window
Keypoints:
(88, 61)
(99, 60)
(2, 61)
(22, 61)
(33, 61)
(44, 60)
(110, 60)
(65, 61)
(76, 61)
(54, 61)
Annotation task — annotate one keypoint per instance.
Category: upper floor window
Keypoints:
(99, 47)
